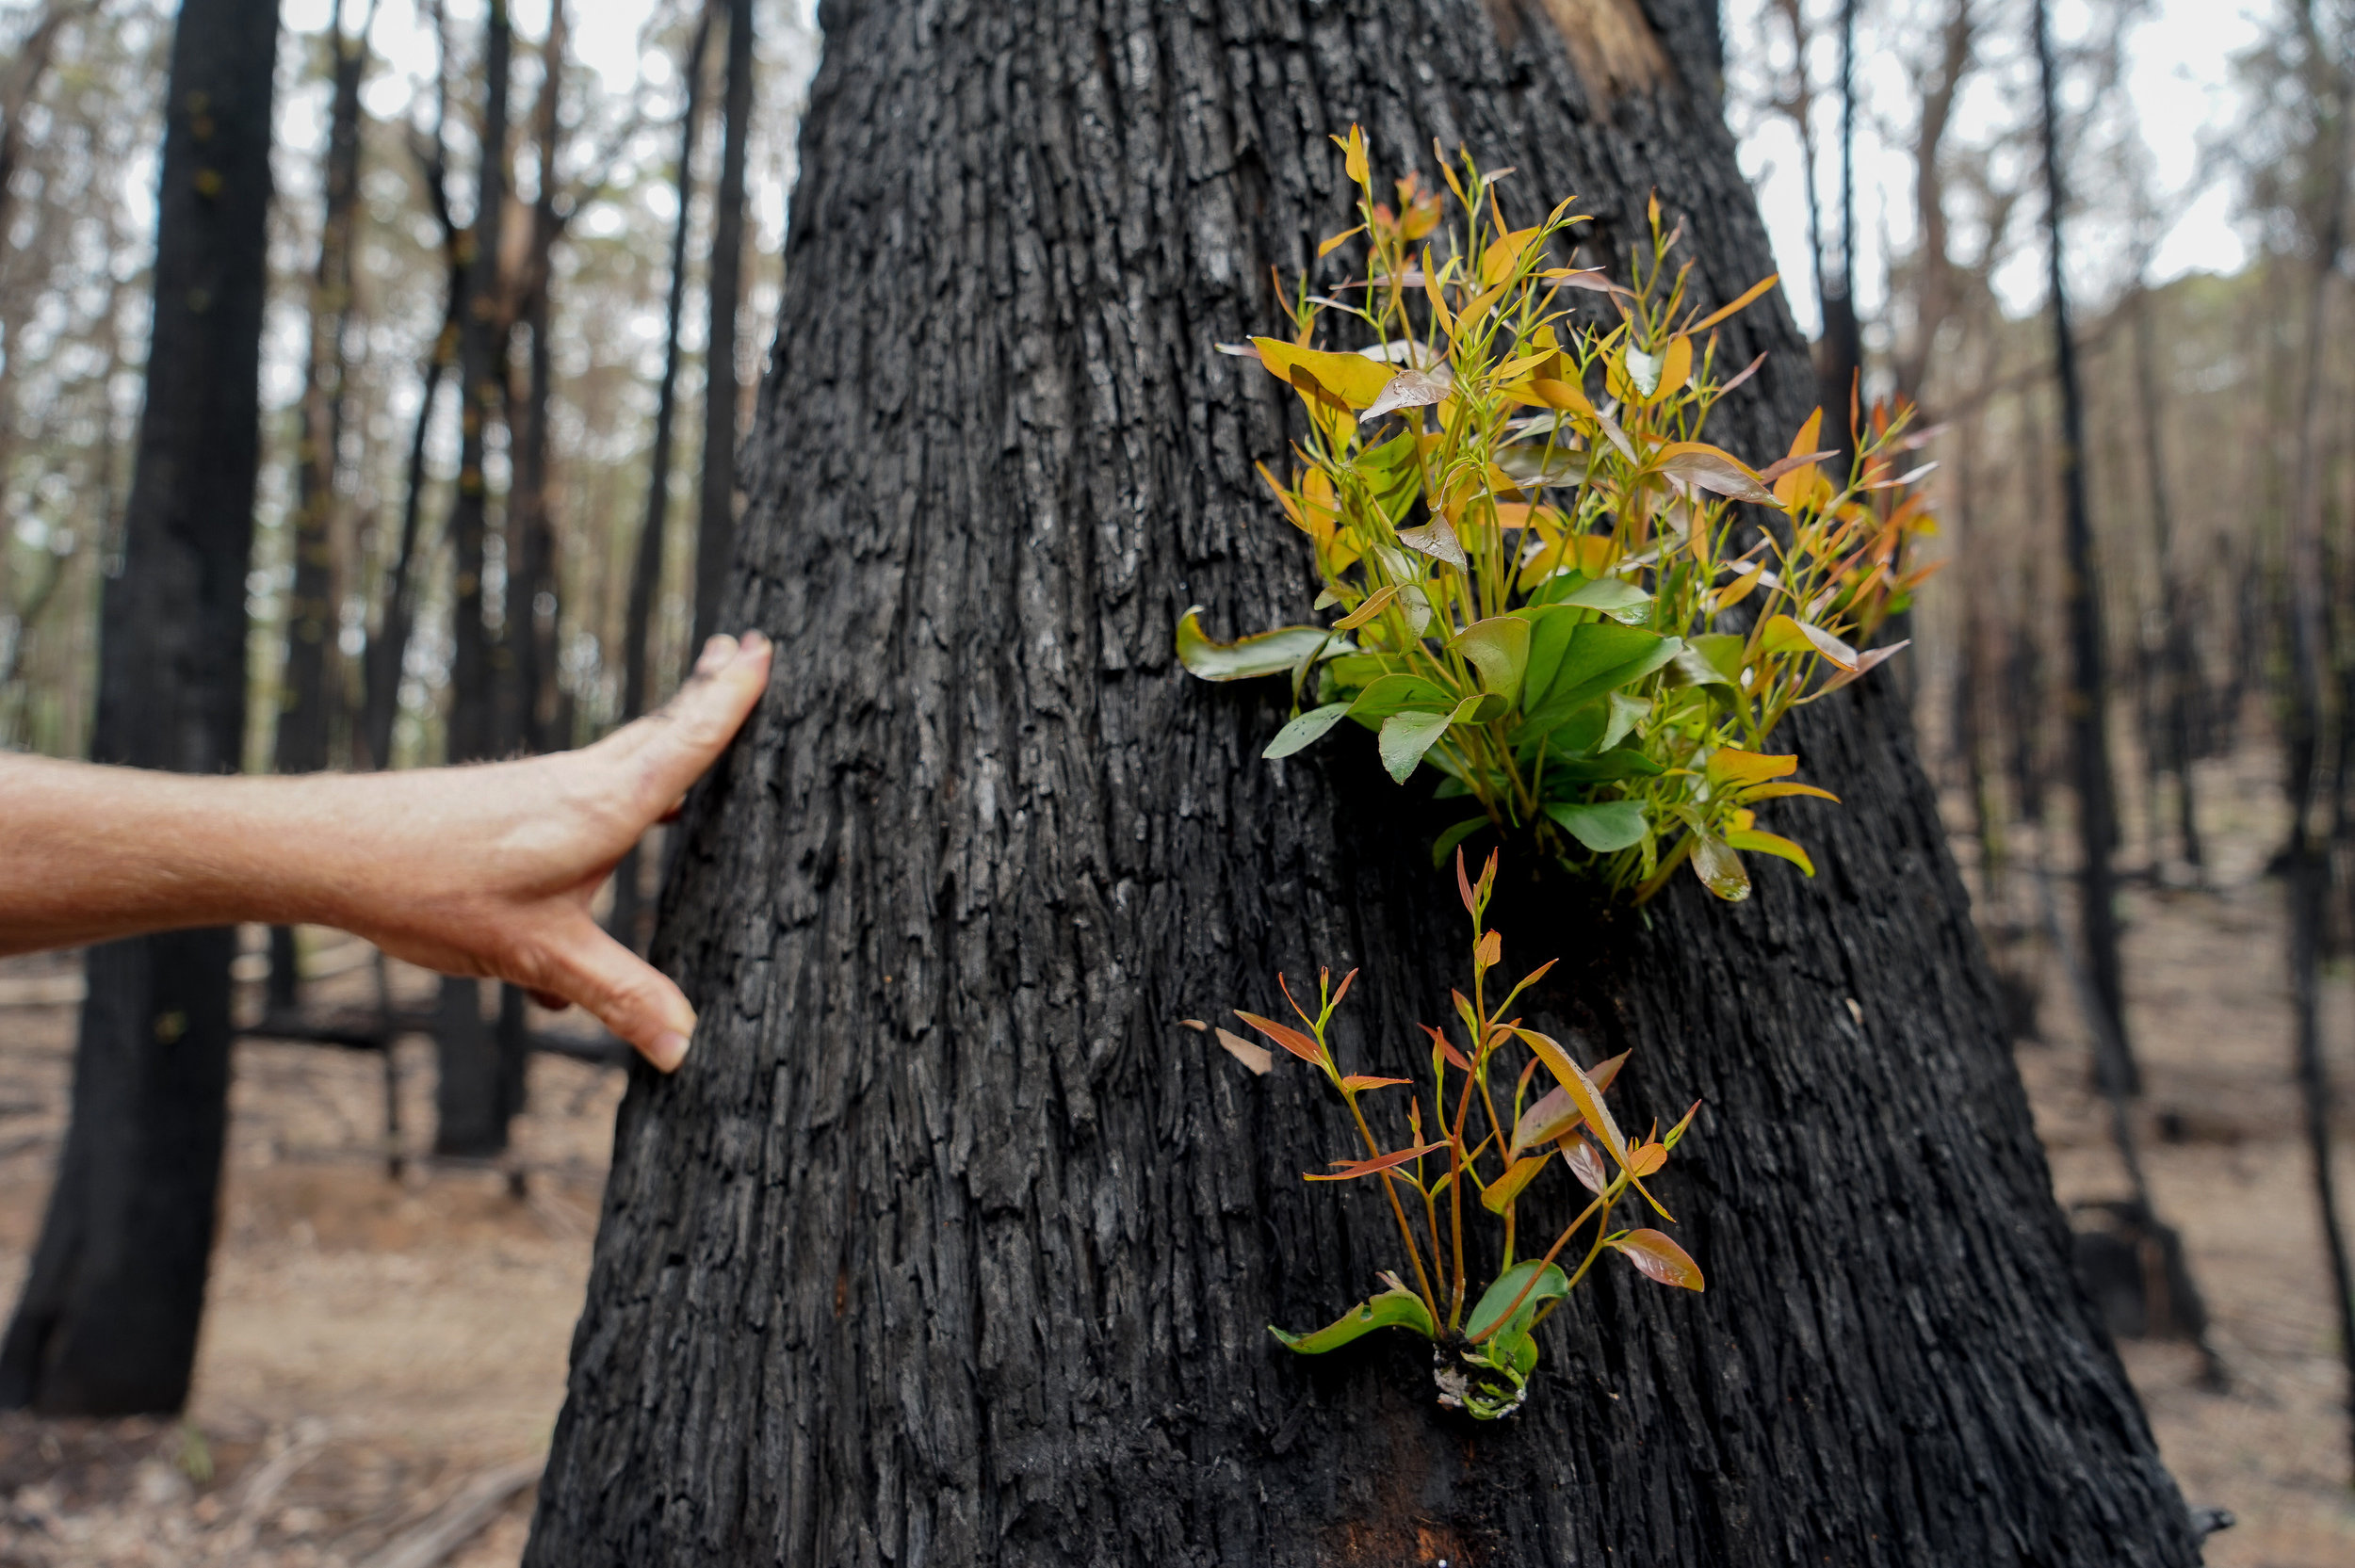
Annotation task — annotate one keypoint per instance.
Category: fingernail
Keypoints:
(752, 643)
(669, 1051)
(716, 655)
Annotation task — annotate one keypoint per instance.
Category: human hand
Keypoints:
(489, 870)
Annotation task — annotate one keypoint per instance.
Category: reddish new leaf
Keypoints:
(1439, 1042)
(1357, 1081)
(1661, 1259)
(1350, 1170)
(1285, 1035)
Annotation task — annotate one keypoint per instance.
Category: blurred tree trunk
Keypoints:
(1839, 355)
(715, 521)
(646, 574)
(535, 612)
(951, 1243)
(2178, 661)
(2310, 655)
(307, 690)
(2081, 597)
(471, 1103)
(107, 1323)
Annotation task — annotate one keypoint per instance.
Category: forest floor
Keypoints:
(385, 1356)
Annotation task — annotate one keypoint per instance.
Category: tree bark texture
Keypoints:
(107, 1323)
(951, 1243)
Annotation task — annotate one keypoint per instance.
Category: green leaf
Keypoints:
(1552, 1286)
(1405, 737)
(1274, 653)
(1401, 694)
(1497, 648)
(1770, 844)
(1622, 762)
(1447, 841)
(1616, 597)
(1721, 869)
(1392, 1309)
(1626, 712)
(1305, 731)
(1604, 827)
(1598, 657)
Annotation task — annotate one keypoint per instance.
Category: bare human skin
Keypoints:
(485, 870)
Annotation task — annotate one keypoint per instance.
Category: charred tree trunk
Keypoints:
(2088, 678)
(950, 1243)
(535, 613)
(715, 520)
(470, 1106)
(2179, 671)
(2310, 651)
(646, 572)
(307, 695)
(1840, 355)
(107, 1323)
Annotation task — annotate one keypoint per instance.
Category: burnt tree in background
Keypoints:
(310, 700)
(950, 1243)
(107, 1323)
(478, 1081)
(715, 515)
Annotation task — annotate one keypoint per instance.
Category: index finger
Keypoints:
(670, 748)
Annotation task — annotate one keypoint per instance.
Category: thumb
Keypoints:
(626, 994)
(670, 748)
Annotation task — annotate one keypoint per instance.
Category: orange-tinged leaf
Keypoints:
(1350, 1170)
(1562, 395)
(1582, 1088)
(1748, 296)
(1469, 317)
(1439, 303)
(1785, 634)
(1731, 765)
(1366, 611)
(1504, 254)
(1285, 1035)
(1585, 1164)
(1676, 368)
(1256, 1057)
(1353, 378)
(1353, 148)
(1335, 242)
(1696, 463)
(1500, 1192)
(1736, 591)
(1492, 950)
(1771, 844)
(1439, 1042)
(1781, 466)
(1777, 791)
(1647, 1158)
(1357, 1082)
(1660, 1258)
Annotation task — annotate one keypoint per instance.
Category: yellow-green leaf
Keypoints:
(1273, 653)
(1353, 378)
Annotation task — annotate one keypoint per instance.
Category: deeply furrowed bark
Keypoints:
(951, 1243)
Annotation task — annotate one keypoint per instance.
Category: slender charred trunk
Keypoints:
(951, 1243)
(715, 518)
(107, 1323)
(471, 1112)
(647, 575)
(309, 691)
(2179, 675)
(2308, 867)
(1841, 356)
(2081, 597)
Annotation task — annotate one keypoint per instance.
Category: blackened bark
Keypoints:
(535, 612)
(715, 518)
(471, 1113)
(646, 571)
(1839, 357)
(2081, 597)
(2179, 660)
(950, 1244)
(107, 1323)
(308, 703)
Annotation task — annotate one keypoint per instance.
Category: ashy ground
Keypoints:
(384, 1356)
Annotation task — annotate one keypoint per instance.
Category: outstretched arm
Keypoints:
(479, 870)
